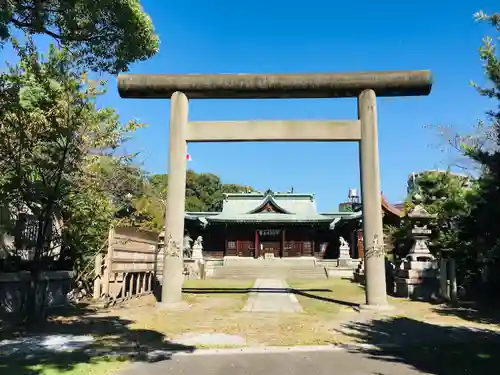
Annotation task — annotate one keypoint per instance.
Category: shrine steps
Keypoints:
(263, 271)
(272, 262)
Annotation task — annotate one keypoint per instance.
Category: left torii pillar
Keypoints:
(173, 277)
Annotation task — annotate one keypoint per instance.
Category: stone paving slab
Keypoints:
(273, 297)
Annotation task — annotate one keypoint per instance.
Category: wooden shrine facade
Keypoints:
(278, 225)
(263, 225)
(258, 241)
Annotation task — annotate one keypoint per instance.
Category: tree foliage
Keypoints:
(466, 227)
(105, 35)
(204, 193)
(57, 152)
(480, 228)
(57, 148)
(447, 196)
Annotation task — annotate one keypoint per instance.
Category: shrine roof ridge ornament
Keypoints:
(263, 194)
(269, 192)
(261, 86)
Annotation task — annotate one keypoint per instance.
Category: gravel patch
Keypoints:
(45, 344)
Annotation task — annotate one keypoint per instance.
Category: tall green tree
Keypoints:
(481, 227)
(54, 145)
(476, 235)
(204, 193)
(447, 196)
(105, 35)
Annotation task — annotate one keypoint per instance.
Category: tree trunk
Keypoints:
(35, 299)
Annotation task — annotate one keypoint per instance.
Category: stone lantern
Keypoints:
(417, 276)
(419, 217)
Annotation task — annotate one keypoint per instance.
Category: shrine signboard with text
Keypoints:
(269, 232)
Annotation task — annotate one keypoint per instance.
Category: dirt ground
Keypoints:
(417, 332)
(221, 313)
(330, 314)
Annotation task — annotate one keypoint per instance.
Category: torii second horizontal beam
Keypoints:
(269, 86)
(274, 131)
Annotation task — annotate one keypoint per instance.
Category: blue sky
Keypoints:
(318, 36)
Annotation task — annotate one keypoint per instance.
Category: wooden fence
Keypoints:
(128, 268)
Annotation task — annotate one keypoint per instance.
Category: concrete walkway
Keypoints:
(295, 362)
(273, 296)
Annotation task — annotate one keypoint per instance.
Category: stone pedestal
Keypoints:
(344, 258)
(197, 263)
(344, 252)
(197, 253)
(417, 280)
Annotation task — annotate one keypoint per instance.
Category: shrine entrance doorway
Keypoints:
(270, 243)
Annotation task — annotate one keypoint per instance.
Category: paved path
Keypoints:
(273, 297)
(295, 362)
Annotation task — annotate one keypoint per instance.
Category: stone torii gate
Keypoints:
(363, 86)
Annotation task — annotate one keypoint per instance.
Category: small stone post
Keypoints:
(453, 280)
(159, 261)
(443, 280)
(376, 291)
(108, 263)
(176, 196)
(97, 276)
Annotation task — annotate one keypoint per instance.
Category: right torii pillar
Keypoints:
(373, 235)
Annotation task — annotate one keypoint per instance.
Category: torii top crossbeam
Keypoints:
(275, 86)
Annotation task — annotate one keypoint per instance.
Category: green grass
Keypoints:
(218, 283)
(329, 297)
(322, 297)
(196, 291)
(62, 363)
(315, 296)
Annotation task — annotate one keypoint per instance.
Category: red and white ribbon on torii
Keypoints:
(188, 157)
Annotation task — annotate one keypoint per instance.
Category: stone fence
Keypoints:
(52, 290)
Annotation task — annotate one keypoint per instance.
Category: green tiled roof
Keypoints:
(245, 207)
(269, 218)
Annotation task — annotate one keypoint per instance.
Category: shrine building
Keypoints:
(278, 225)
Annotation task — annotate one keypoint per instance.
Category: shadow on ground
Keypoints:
(302, 292)
(431, 349)
(476, 312)
(62, 344)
